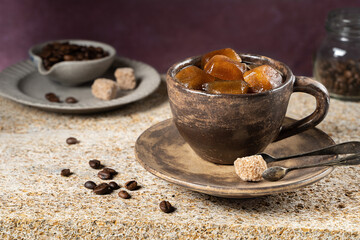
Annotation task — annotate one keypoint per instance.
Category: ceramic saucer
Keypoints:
(22, 83)
(163, 152)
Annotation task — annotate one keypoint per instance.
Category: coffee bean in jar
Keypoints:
(56, 52)
(341, 78)
(337, 62)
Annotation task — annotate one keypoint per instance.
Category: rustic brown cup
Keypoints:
(221, 128)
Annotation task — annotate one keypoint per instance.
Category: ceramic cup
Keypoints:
(221, 128)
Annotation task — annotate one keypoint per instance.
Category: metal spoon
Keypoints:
(276, 173)
(341, 148)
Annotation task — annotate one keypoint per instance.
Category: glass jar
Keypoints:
(337, 62)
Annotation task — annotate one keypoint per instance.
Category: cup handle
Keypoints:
(316, 89)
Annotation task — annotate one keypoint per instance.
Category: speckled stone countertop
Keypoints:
(37, 203)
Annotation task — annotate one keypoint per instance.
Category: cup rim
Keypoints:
(289, 76)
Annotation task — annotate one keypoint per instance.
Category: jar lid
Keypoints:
(345, 21)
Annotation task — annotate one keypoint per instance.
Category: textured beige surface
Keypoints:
(36, 202)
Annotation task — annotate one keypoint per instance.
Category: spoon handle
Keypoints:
(341, 148)
(344, 161)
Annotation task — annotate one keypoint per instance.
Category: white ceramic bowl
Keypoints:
(74, 72)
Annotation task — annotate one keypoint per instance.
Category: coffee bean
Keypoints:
(114, 185)
(102, 189)
(54, 60)
(131, 185)
(71, 100)
(65, 172)
(54, 99)
(95, 164)
(110, 170)
(104, 175)
(124, 194)
(90, 185)
(166, 207)
(51, 97)
(71, 140)
(68, 58)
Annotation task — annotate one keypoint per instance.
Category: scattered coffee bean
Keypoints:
(102, 189)
(166, 207)
(124, 194)
(71, 100)
(65, 172)
(51, 97)
(114, 185)
(71, 140)
(96, 164)
(90, 185)
(104, 175)
(110, 170)
(131, 185)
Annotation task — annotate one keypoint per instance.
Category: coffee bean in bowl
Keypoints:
(72, 62)
(55, 52)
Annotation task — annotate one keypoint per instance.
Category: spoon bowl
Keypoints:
(274, 173)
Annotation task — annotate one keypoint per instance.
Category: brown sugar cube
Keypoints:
(250, 168)
(104, 89)
(125, 78)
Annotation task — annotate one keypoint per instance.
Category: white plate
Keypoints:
(22, 83)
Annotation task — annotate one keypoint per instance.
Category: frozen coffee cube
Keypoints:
(104, 89)
(125, 78)
(250, 168)
(193, 77)
(263, 78)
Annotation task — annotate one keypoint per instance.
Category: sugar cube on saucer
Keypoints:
(125, 78)
(104, 89)
(250, 168)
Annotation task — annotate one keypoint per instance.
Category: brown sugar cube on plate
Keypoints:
(104, 89)
(250, 168)
(125, 78)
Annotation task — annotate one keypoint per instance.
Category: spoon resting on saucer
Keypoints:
(341, 148)
(276, 173)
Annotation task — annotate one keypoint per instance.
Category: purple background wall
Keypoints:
(162, 32)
